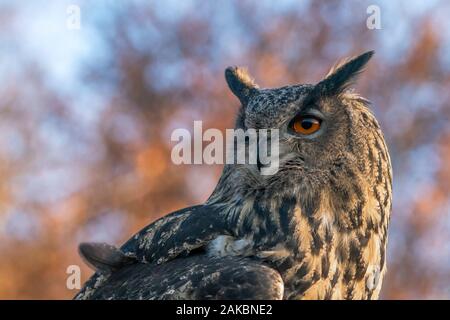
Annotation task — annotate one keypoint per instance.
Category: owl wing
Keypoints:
(196, 277)
(176, 234)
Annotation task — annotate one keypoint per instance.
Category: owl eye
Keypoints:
(305, 124)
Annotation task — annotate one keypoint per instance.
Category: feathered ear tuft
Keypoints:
(343, 74)
(240, 83)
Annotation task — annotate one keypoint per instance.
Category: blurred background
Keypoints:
(86, 117)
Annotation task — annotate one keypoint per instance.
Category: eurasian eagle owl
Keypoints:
(316, 229)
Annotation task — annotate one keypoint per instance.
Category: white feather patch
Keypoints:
(229, 246)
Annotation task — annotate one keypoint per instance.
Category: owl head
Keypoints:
(327, 134)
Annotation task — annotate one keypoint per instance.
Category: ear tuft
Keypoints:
(240, 83)
(343, 74)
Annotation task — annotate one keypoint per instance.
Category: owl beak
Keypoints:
(259, 164)
(268, 152)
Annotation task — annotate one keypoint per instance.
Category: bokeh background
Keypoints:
(86, 117)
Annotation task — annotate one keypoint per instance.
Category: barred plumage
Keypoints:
(317, 229)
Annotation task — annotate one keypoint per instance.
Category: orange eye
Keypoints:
(306, 125)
